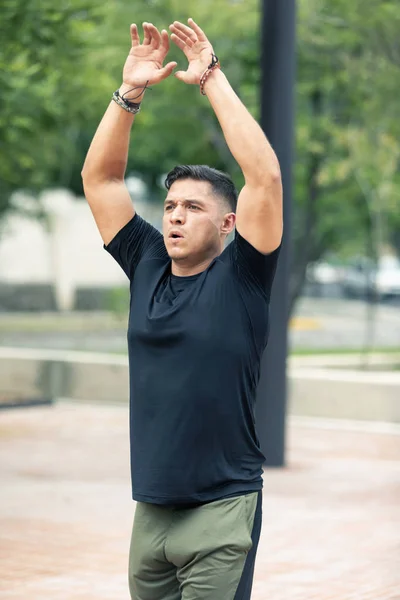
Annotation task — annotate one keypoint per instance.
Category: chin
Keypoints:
(177, 254)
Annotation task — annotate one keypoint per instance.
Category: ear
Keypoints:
(228, 223)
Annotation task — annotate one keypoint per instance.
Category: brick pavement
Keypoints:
(331, 519)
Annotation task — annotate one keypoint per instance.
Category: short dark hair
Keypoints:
(221, 183)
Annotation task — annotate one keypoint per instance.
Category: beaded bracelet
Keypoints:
(215, 64)
(130, 107)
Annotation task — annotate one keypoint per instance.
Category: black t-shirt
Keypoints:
(195, 345)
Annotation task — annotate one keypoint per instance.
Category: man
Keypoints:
(197, 329)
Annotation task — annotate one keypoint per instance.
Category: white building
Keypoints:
(67, 253)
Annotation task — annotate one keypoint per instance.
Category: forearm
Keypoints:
(108, 153)
(244, 136)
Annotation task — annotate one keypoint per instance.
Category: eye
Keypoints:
(168, 207)
(193, 206)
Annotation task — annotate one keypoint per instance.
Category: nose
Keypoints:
(178, 215)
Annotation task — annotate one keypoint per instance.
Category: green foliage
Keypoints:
(177, 125)
(44, 89)
(348, 131)
(60, 63)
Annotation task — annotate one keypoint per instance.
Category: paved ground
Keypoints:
(320, 323)
(331, 519)
(343, 324)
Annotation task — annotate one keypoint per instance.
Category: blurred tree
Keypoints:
(60, 64)
(42, 84)
(345, 81)
(347, 130)
(177, 125)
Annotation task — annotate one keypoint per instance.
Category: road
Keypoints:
(344, 324)
(321, 323)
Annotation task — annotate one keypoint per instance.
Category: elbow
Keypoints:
(85, 172)
(89, 178)
(271, 177)
(92, 175)
(265, 177)
(273, 173)
(90, 172)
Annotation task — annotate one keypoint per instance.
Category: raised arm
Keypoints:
(104, 169)
(259, 211)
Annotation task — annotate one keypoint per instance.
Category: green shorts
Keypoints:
(201, 553)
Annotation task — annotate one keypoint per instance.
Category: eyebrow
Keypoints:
(186, 201)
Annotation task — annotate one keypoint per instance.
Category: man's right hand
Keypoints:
(145, 61)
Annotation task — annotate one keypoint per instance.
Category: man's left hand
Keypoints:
(196, 47)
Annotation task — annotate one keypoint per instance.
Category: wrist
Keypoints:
(133, 93)
(207, 74)
(213, 80)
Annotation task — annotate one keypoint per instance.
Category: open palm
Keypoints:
(145, 61)
(196, 47)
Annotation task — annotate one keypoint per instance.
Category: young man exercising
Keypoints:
(198, 326)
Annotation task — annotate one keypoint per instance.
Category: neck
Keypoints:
(184, 270)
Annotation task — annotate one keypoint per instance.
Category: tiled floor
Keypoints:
(331, 518)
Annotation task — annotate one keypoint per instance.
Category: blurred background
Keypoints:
(64, 302)
(59, 65)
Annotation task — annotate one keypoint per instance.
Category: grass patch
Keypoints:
(352, 351)
(49, 322)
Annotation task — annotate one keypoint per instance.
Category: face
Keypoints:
(195, 222)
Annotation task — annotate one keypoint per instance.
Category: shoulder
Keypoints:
(252, 268)
(137, 229)
(137, 241)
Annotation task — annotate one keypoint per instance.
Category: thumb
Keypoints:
(181, 75)
(167, 70)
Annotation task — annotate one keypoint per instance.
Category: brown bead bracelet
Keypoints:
(215, 64)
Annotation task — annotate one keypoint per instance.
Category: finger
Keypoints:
(199, 32)
(155, 36)
(180, 43)
(186, 31)
(167, 70)
(147, 35)
(135, 35)
(182, 36)
(165, 40)
(181, 75)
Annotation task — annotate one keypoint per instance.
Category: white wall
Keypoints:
(69, 255)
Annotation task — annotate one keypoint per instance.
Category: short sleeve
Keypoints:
(136, 241)
(254, 267)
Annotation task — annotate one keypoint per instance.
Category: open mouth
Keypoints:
(175, 236)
